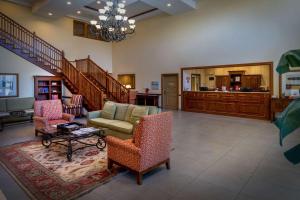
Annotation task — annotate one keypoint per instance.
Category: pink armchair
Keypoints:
(48, 113)
(149, 148)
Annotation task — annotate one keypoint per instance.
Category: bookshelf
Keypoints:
(47, 87)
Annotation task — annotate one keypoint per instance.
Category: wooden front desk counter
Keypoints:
(240, 104)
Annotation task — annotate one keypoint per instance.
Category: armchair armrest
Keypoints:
(68, 117)
(94, 114)
(40, 122)
(125, 145)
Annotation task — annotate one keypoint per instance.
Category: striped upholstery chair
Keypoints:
(75, 106)
(149, 148)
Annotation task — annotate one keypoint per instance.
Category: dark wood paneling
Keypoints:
(253, 105)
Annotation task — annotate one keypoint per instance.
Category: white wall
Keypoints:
(219, 32)
(11, 63)
(59, 33)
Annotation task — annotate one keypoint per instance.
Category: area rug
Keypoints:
(45, 173)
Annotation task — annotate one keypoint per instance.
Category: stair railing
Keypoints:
(113, 88)
(51, 58)
(30, 42)
(91, 93)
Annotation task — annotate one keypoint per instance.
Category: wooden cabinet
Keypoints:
(47, 87)
(241, 104)
(251, 81)
(222, 81)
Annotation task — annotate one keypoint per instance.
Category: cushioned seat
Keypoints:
(119, 119)
(121, 126)
(101, 122)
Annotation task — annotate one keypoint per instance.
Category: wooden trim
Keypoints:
(280, 83)
(161, 88)
(17, 79)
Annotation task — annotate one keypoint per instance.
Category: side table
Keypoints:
(2, 116)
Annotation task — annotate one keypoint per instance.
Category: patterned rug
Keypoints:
(45, 173)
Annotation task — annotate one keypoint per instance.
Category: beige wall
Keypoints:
(59, 33)
(219, 32)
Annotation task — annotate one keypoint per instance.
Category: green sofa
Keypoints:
(119, 119)
(20, 109)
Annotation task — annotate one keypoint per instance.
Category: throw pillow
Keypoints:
(138, 112)
(109, 110)
(153, 110)
(129, 112)
(121, 111)
(52, 110)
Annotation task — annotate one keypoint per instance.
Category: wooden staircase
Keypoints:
(32, 48)
(113, 89)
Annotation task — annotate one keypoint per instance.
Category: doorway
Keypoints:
(195, 82)
(169, 88)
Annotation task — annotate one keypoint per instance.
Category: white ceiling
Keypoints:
(139, 9)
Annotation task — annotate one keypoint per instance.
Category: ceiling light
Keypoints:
(78, 12)
(69, 2)
(93, 22)
(169, 4)
(113, 24)
(98, 2)
(50, 13)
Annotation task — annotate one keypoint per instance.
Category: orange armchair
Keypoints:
(48, 113)
(149, 148)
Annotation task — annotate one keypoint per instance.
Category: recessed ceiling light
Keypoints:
(98, 2)
(50, 13)
(78, 12)
(169, 4)
(69, 2)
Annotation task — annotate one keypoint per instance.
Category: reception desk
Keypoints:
(241, 104)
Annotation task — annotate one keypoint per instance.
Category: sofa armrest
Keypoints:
(68, 117)
(94, 114)
(125, 145)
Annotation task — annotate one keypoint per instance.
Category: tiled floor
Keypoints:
(215, 157)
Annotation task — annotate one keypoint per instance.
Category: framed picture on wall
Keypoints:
(128, 80)
(9, 85)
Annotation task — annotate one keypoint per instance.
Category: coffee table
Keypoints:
(68, 137)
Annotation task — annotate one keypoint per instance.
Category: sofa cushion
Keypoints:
(138, 112)
(129, 112)
(52, 110)
(101, 122)
(116, 125)
(121, 126)
(109, 110)
(121, 111)
(18, 104)
(2, 105)
(153, 110)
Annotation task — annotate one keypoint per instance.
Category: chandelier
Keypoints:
(113, 24)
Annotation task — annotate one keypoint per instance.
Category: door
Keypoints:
(169, 91)
(196, 80)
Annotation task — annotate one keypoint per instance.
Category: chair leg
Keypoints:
(168, 164)
(139, 178)
(109, 163)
